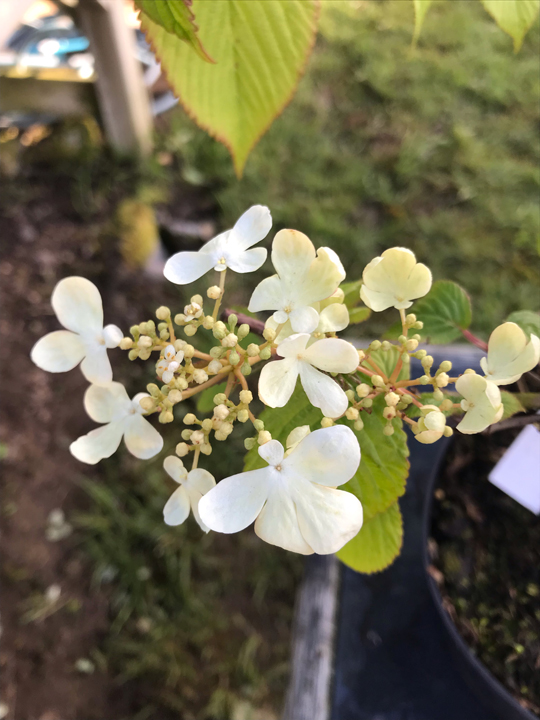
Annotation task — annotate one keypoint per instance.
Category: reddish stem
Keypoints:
(467, 334)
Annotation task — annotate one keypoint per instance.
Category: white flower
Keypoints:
(303, 278)
(193, 486)
(228, 250)
(293, 501)
(278, 378)
(77, 304)
(482, 403)
(169, 364)
(394, 279)
(431, 425)
(110, 404)
(509, 354)
(192, 312)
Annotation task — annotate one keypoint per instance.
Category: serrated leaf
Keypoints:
(205, 399)
(260, 49)
(420, 9)
(386, 361)
(515, 17)
(176, 17)
(352, 293)
(377, 544)
(527, 320)
(511, 405)
(358, 315)
(384, 466)
(445, 312)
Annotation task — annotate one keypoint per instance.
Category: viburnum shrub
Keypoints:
(326, 399)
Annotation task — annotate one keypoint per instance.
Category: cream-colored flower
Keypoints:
(169, 364)
(278, 378)
(303, 278)
(293, 501)
(431, 425)
(77, 304)
(228, 250)
(110, 404)
(193, 485)
(482, 403)
(394, 279)
(510, 354)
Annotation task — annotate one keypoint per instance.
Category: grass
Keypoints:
(436, 149)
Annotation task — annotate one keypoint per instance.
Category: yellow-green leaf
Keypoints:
(358, 315)
(260, 49)
(515, 17)
(377, 544)
(511, 405)
(420, 9)
(445, 311)
(176, 17)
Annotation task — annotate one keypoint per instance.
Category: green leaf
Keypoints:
(384, 466)
(358, 315)
(176, 17)
(386, 361)
(515, 17)
(377, 544)
(527, 320)
(260, 48)
(420, 9)
(445, 312)
(205, 399)
(352, 293)
(511, 405)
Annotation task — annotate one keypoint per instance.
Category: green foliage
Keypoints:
(386, 360)
(515, 17)
(260, 49)
(176, 17)
(352, 293)
(205, 399)
(445, 312)
(511, 405)
(420, 10)
(377, 544)
(359, 315)
(528, 321)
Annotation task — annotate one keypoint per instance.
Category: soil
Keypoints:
(485, 551)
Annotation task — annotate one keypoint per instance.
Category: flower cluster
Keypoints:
(293, 500)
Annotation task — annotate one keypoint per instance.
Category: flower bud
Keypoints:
(427, 362)
(126, 343)
(143, 328)
(350, 394)
(147, 404)
(243, 416)
(175, 396)
(197, 438)
(180, 383)
(180, 319)
(326, 422)
(246, 396)
(208, 322)
(179, 344)
(246, 368)
(151, 327)
(377, 381)
(166, 416)
(469, 371)
(186, 434)
(437, 394)
(391, 399)
(206, 425)
(214, 293)
(386, 346)
(258, 425)
(366, 402)
(389, 413)
(189, 351)
(249, 443)
(190, 330)
(418, 325)
(221, 411)
(252, 350)
(214, 367)
(189, 419)
(445, 366)
(363, 390)
(217, 351)
(448, 431)
(420, 354)
(265, 353)
(388, 430)
(197, 300)
(164, 334)
(153, 390)
(163, 313)
(220, 399)
(234, 357)
(406, 359)
(352, 413)
(134, 330)
(269, 334)
(375, 345)
(144, 342)
(417, 337)
(206, 449)
(182, 449)
(411, 345)
(218, 435)
(446, 405)
(361, 355)
(232, 321)
(359, 424)
(424, 380)
(242, 331)
(133, 354)
(230, 340)
(200, 376)
(219, 330)
(144, 354)
(410, 319)
(442, 379)
(402, 339)
(263, 437)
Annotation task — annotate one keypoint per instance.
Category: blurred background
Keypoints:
(106, 612)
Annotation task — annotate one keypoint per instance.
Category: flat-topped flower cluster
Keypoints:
(293, 501)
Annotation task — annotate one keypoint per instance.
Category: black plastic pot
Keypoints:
(398, 654)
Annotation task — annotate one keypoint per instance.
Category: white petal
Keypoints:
(96, 366)
(246, 261)
(268, 295)
(292, 255)
(509, 354)
(484, 399)
(296, 435)
(278, 524)
(98, 444)
(112, 336)
(177, 507)
(377, 301)
(321, 281)
(252, 227)
(58, 351)
(142, 440)
(236, 501)
(329, 456)
(435, 421)
(280, 317)
(394, 279)
(174, 467)
(272, 452)
(332, 355)
(294, 345)
(333, 318)
(322, 391)
(105, 403)
(186, 267)
(304, 319)
(77, 304)
(277, 382)
(136, 403)
(328, 518)
(199, 483)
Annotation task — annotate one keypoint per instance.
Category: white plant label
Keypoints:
(518, 471)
